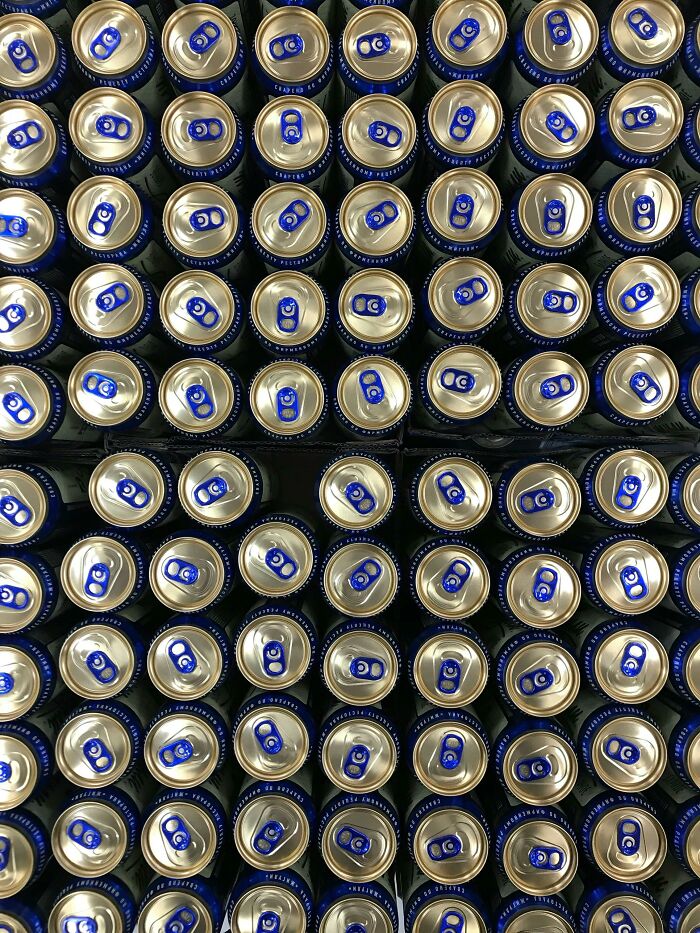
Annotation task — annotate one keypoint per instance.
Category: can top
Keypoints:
(360, 579)
(465, 280)
(355, 913)
(200, 219)
(644, 205)
(360, 406)
(109, 38)
(527, 493)
(98, 573)
(378, 131)
(291, 133)
(350, 824)
(30, 226)
(22, 683)
(616, 481)
(261, 550)
(169, 904)
(339, 667)
(628, 753)
(450, 845)
(93, 749)
(183, 383)
(637, 366)
(184, 661)
(555, 210)
(21, 860)
(183, 307)
(540, 767)
(445, 906)
(29, 138)
(553, 300)
(126, 489)
(88, 903)
(24, 598)
(631, 557)
(450, 669)
(89, 838)
(96, 661)
(106, 388)
(692, 582)
(358, 299)
(216, 487)
(106, 125)
(449, 757)
(273, 651)
(104, 212)
(199, 129)
(164, 831)
(256, 901)
(379, 44)
(267, 812)
(187, 573)
(359, 755)
(363, 228)
(690, 848)
(540, 857)
(343, 480)
(21, 765)
(523, 679)
(271, 743)
(289, 219)
(561, 46)
(646, 36)
(183, 46)
(106, 300)
(690, 494)
(23, 506)
(292, 45)
(642, 293)
(270, 397)
(441, 500)
(19, 384)
(645, 115)
(631, 665)
(642, 914)
(456, 39)
(27, 313)
(181, 750)
(446, 117)
(27, 31)
(539, 379)
(643, 857)
(274, 298)
(543, 590)
(475, 189)
(463, 382)
(557, 121)
(452, 581)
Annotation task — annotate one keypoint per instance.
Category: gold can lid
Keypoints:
(104, 212)
(691, 580)
(555, 210)
(338, 667)
(276, 558)
(181, 750)
(106, 300)
(557, 121)
(200, 219)
(178, 839)
(106, 125)
(554, 300)
(450, 669)
(561, 37)
(96, 661)
(379, 44)
(631, 576)
(288, 308)
(691, 672)
(463, 205)
(463, 382)
(628, 843)
(378, 131)
(271, 743)
(215, 487)
(126, 489)
(20, 771)
(199, 129)
(106, 388)
(289, 220)
(34, 34)
(540, 857)
(21, 681)
(89, 838)
(631, 486)
(291, 133)
(628, 753)
(438, 502)
(177, 680)
(452, 581)
(262, 638)
(33, 318)
(356, 913)
(691, 849)
(612, 666)
(376, 218)
(645, 115)
(540, 767)
(98, 573)
(437, 765)
(256, 817)
(645, 281)
(23, 506)
(551, 388)
(450, 845)
(19, 859)
(648, 35)
(287, 397)
(28, 227)
(372, 859)
(360, 579)
(375, 305)
(619, 907)
(292, 45)
(199, 42)
(628, 378)
(93, 750)
(465, 294)
(359, 755)
(460, 914)
(454, 37)
(187, 906)
(21, 594)
(543, 590)
(196, 395)
(29, 138)
(454, 106)
(539, 483)
(187, 573)
(359, 400)
(644, 205)
(524, 670)
(109, 38)
(251, 907)
(538, 918)
(96, 907)
(343, 481)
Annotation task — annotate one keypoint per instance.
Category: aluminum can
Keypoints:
(681, 730)
(34, 152)
(186, 743)
(447, 750)
(27, 747)
(290, 229)
(189, 656)
(538, 499)
(448, 664)
(36, 500)
(678, 806)
(536, 848)
(274, 734)
(191, 570)
(105, 571)
(374, 312)
(680, 896)
(271, 896)
(359, 576)
(34, 235)
(289, 313)
(202, 314)
(378, 53)
(609, 900)
(34, 63)
(683, 162)
(458, 386)
(288, 400)
(358, 748)
(372, 397)
(542, 392)
(689, 312)
(636, 299)
(275, 646)
(356, 492)
(515, 911)
(374, 226)
(203, 140)
(535, 760)
(93, 899)
(273, 822)
(222, 488)
(133, 489)
(34, 324)
(57, 14)
(29, 590)
(462, 300)
(114, 391)
(450, 494)
(430, 905)
(201, 397)
(536, 586)
(360, 661)
(684, 560)
(448, 579)
(464, 40)
(193, 902)
(683, 646)
(682, 506)
(462, 126)
(622, 488)
(624, 574)
(685, 75)
(293, 54)
(685, 245)
(358, 835)
(548, 305)
(377, 140)
(27, 675)
(632, 386)
(371, 905)
(292, 142)
(278, 556)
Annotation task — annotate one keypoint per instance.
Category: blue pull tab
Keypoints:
(620, 920)
(547, 858)
(102, 218)
(456, 575)
(14, 511)
(449, 676)
(381, 215)
(105, 43)
(182, 656)
(78, 924)
(202, 312)
(633, 658)
(133, 493)
(450, 488)
(559, 27)
(102, 667)
(471, 290)
(636, 297)
(288, 315)
(619, 749)
(367, 668)
(559, 302)
(207, 218)
(13, 227)
(281, 563)
(5, 850)
(13, 597)
(25, 135)
(100, 385)
(464, 34)
(642, 23)
(558, 386)
(268, 737)
(5, 771)
(269, 837)
(451, 751)
(532, 769)
(373, 45)
(98, 756)
(205, 129)
(18, 408)
(287, 404)
(113, 127)
(462, 124)
(113, 297)
(385, 134)
(364, 575)
(176, 833)
(535, 681)
(84, 834)
(199, 401)
(629, 836)
(352, 840)
(444, 847)
(648, 390)
(628, 492)
(203, 37)
(457, 380)
(561, 126)
(11, 316)
(22, 56)
(181, 571)
(7, 683)
(359, 497)
(291, 126)
(372, 386)
(545, 585)
(175, 753)
(538, 500)
(633, 583)
(273, 658)
(294, 215)
(554, 217)
(182, 920)
(643, 213)
(462, 211)
(356, 762)
(638, 118)
(97, 581)
(366, 305)
(210, 491)
(268, 922)
(283, 47)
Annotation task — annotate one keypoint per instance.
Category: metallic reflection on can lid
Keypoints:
(23, 770)
(360, 579)
(29, 138)
(106, 388)
(484, 202)
(21, 579)
(451, 581)
(307, 30)
(625, 373)
(202, 665)
(38, 228)
(538, 296)
(257, 816)
(125, 26)
(486, 44)
(96, 661)
(648, 35)
(298, 150)
(691, 849)
(450, 669)
(524, 489)
(98, 908)
(627, 822)
(19, 858)
(106, 300)
(373, 392)
(183, 299)
(628, 753)
(187, 573)
(644, 205)
(460, 277)
(645, 115)
(451, 908)
(167, 827)
(540, 767)
(30, 31)
(445, 510)
(640, 912)
(460, 840)
(553, 54)
(355, 913)
(284, 290)
(182, 385)
(356, 492)
(691, 582)
(375, 856)
(539, 388)
(536, 918)
(525, 669)
(289, 220)
(463, 382)
(612, 669)
(617, 479)
(185, 57)
(445, 112)
(366, 143)
(264, 754)
(276, 558)
(190, 203)
(287, 397)
(30, 331)
(221, 472)
(24, 506)
(255, 903)
(181, 750)
(379, 44)
(530, 843)
(126, 489)
(98, 573)
(555, 210)
(104, 212)
(158, 913)
(93, 749)
(338, 667)
(356, 314)
(631, 576)
(106, 125)
(89, 838)
(362, 740)
(691, 672)
(357, 218)
(543, 590)
(184, 140)
(566, 105)
(432, 750)
(20, 672)
(268, 667)
(647, 281)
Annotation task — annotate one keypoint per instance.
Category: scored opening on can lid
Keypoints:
(522, 674)
(276, 558)
(553, 54)
(106, 388)
(643, 293)
(199, 129)
(288, 308)
(96, 661)
(555, 210)
(379, 44)
(649, 35)
(106, 300)
(35, 34)
(356, 492)
(25, 506)
(631, 486)
(98, 573)
(28, 601)
(291, 133)
(197, 307)
(378, 131)
(106, 125)
(360, 579)
(445, 120)
(636, 365)
(645, 115)
(190, 389)
(360, 386)
(32, 138)
(540, 767)
(486, 44)
(39, 232)
(543, 590)
(444, 199)
(306, 35)
(184, 57)
(104, 212)
(376, 218)
(95, 822)
(200, 220)
(644, 205)
(557, 121)
(216, 487)
(444, 503)
(538, 484)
